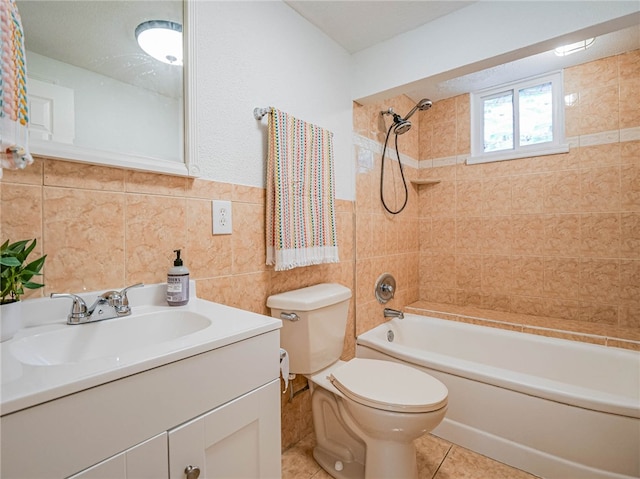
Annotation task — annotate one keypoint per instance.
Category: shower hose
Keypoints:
(404, 181)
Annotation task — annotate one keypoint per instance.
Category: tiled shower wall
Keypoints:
(107, 228)
(385, 243)
(554, 236)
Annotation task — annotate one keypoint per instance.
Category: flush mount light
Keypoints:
(162, 40)
(565, 50)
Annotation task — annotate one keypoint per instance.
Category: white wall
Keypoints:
(482, 35)
(259, 54)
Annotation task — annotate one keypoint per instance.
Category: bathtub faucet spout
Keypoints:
(393, 313)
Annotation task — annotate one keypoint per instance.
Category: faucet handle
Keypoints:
(112, 298)
(79, 309)
(387, 288)
(124, 291)
(124, 300)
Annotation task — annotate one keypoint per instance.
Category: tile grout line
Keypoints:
(442, 462)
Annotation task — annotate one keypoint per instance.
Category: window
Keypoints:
(518, 120)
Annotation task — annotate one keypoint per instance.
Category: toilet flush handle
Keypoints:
(192, 472)
(289, 316)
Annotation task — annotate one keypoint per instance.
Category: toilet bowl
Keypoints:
(366, 412)
(386, 405)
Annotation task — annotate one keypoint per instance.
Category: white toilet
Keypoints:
(366, 412)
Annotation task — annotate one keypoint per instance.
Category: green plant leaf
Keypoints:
(10, 261)
(23, 256)
(35, 266)
(17, 247)
(32, 285)
(15, 274)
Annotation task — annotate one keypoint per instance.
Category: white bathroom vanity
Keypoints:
(164, 393)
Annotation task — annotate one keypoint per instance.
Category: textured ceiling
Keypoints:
(357, 25)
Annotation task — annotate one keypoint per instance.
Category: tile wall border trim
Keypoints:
(374, 146)
(580, 141)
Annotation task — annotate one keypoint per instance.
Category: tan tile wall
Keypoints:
(386, 243)
(555, 236)
(106, 228)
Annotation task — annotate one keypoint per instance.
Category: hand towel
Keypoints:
(14, 116)
(300, 216)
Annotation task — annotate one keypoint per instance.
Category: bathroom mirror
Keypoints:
(95, 96)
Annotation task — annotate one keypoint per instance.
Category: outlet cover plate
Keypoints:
(222, 218)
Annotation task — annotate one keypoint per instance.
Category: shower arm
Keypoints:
(396, 118)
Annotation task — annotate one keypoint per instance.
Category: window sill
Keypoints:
(515, 155)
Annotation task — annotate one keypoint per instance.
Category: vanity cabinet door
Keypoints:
(147, 460)
(240, 439)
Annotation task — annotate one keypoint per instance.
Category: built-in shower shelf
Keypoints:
(425, 182)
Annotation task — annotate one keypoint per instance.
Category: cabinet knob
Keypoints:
(192, 472)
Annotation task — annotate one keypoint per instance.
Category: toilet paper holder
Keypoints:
(284, 368)
(286, 376)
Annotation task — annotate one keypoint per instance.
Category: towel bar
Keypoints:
(260, 113)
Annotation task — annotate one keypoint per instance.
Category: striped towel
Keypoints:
(301, 224)
(14, 119)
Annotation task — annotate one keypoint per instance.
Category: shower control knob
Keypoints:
(385, 288)
(192, 472)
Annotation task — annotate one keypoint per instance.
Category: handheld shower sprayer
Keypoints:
(422, 105)
(402, 125)
(399, 126)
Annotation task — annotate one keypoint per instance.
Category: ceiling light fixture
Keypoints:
(565, 50)
(162, 40)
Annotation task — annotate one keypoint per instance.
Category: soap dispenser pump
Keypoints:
(178, 283)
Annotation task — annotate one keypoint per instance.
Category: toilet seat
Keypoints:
(389, 386)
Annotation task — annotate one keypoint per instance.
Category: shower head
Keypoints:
(401, 126)
(422, 105)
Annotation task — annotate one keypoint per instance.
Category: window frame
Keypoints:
(557, 145)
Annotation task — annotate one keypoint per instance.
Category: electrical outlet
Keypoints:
(222, 218)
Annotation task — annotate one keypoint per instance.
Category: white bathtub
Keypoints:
(552, 407)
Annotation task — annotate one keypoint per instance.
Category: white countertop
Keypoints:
(24, 385)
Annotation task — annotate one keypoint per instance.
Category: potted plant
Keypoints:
(16, 275)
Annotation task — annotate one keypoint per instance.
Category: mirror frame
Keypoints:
(190, 166)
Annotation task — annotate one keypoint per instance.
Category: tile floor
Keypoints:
(437, 459)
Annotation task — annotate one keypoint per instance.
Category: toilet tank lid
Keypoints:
(310, 298)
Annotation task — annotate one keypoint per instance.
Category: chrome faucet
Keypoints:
(111, 304)
(393, 313)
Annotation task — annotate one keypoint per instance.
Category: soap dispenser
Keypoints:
(178, 283)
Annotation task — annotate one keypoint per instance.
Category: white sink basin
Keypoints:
(49, 359)
(106, 339)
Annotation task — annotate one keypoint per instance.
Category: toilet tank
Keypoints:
(315, 341)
